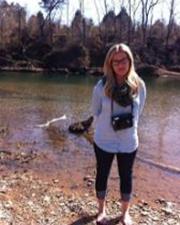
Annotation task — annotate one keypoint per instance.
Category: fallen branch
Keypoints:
(48, 123)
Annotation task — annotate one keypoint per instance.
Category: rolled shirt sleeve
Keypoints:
(97, 99)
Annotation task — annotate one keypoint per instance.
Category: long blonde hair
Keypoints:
(132, 79)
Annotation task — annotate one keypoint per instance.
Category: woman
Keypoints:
(117, 102)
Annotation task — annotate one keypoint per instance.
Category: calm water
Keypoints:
(30, 99)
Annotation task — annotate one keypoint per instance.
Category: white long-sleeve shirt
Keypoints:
(105, 137)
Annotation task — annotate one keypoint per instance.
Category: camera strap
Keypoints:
(132, 106)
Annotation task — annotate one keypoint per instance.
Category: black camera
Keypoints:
(121, 122)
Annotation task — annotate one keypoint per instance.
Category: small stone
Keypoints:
(144, 202)
(161, 200)
(155, 218)
(3, 189)
(47, 199)
(86, 178)
(62, 204)
(55, 181)
(167, 211)
(172, 222)
(8, 205)
(144, 213)
(89, 183)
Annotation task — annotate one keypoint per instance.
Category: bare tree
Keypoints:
(135, 4)
(21, 14)
(3, 6)
(83, 23)
(133, 7)
(106, 6)
(81, 6)
(171, 21)
(51, 6)
(130, 21)
(67, 13)
(97, 11)
(2, 15)
(147, 7)
(113, 5)
(119, 25)
(41, 24)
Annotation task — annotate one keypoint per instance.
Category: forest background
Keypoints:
(43, 41)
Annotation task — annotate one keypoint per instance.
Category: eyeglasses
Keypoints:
(117, 62)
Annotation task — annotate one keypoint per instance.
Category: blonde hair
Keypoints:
(132, 79)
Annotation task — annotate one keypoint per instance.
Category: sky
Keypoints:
(32, 7)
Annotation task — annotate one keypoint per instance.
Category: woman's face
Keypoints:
(120, 65)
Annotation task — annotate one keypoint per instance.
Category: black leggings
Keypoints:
(104, 161)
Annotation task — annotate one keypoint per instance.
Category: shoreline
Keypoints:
(96, 71)
(143, 70)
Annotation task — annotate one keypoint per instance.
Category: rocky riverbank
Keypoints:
(34, 197)
(29, 199)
